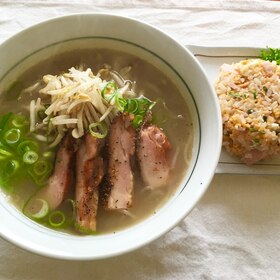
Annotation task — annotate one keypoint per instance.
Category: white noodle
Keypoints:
(56, 140)
(104, 116)
(88, 115)
(117, 78)
(75, 103)
(32, 88)
(32, 115)
(63, 121)
(80, 122)
(124, 89)
(41, 138)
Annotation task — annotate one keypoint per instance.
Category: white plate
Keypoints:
(211, 59)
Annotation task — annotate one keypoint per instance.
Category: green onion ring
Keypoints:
(30, 157)
(101, 127)
(5, 120)
(12, 136)
(43, 212)
(120, 102)
(26, 146)
(132, 106)
(56, 219)
(5, 153)
(41, 167)
(49, 154)
(137, 121)
(111, 83)
(19, 121)
(32, 204)
(11, 167)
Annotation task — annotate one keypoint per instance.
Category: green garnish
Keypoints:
(256, 141)
(4, 120)
(19, 155)
(236, 95)
(271, 54)
(254, 94)
(107, 90)
(42, 167)
(19, 121)
(252, 129)
(57, 219)
(36, 208)
(27, 145)
(5, 153)
(30, 157)
(135, 106)
(98, 130)
(12, 136)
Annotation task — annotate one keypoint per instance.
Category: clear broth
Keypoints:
(152, 83)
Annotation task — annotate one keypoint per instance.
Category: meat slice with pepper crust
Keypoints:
(121, 146)
(89, 174)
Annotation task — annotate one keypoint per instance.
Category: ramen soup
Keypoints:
(93, 141)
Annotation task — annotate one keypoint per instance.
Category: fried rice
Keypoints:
(249, 95)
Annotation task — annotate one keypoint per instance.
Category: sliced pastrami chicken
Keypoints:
(89, 174)
(152, 152)
(121, 150)
(58, 184)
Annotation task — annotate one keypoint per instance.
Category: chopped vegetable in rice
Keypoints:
(249, 95)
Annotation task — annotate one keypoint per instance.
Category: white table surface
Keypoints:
(233, 233)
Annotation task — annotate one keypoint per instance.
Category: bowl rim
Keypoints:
(40, 251)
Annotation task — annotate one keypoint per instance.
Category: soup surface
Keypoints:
(170, 114)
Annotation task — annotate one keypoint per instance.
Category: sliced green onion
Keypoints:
(137, 121)
(26, 146)
(107, 85)
(11, 167)
(49, 154)
(39, 180)
(12, 136)
(43, 210)
(19, 121)
(94, 129)
(120, 102)
(8, 170)
(5, 119)
(36, 208)
(56, 219)
(84, 230)
(5, 153)
(42, 167)
(30, 157)
(132, 106)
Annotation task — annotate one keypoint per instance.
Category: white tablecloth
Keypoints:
(233, 233)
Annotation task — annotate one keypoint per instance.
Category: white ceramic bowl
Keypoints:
(38, 42)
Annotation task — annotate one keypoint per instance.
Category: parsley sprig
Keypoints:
(271, 55)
